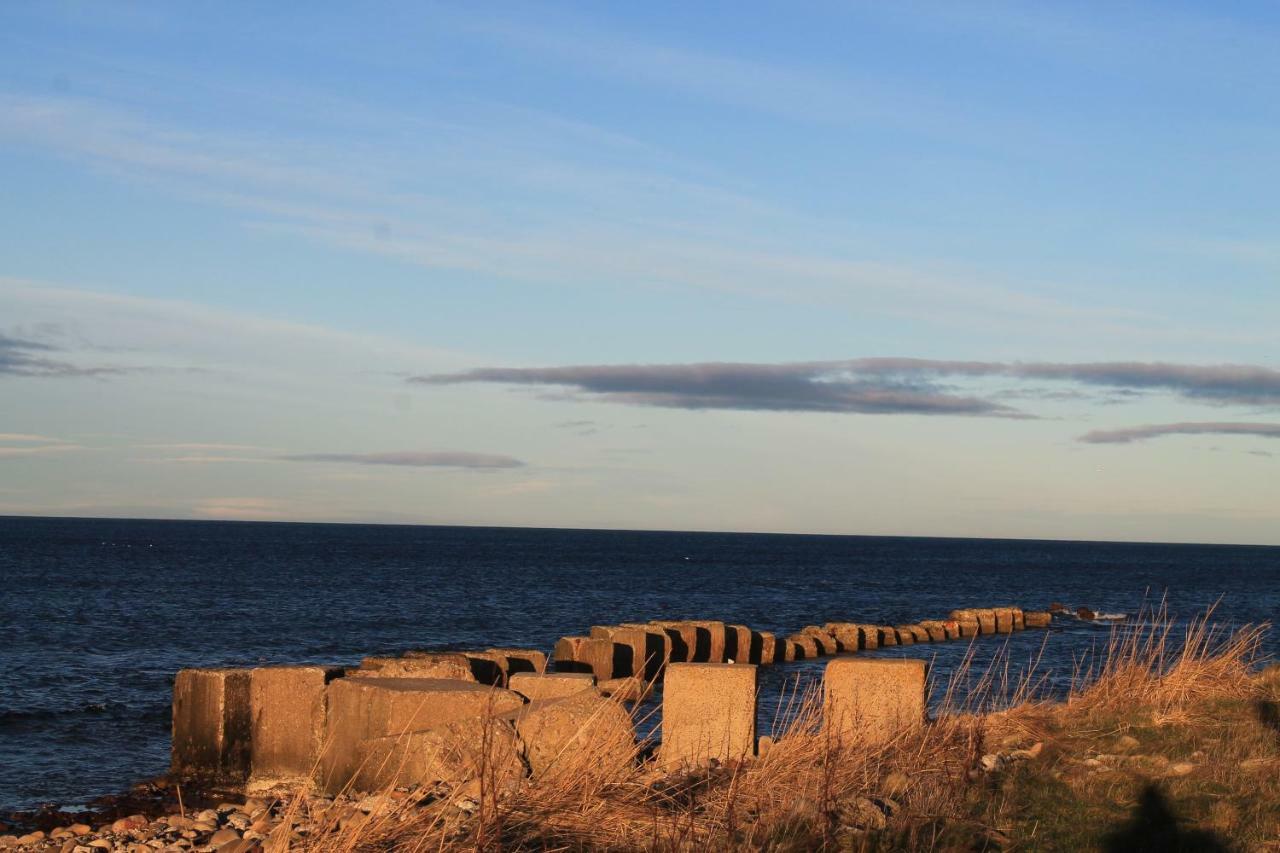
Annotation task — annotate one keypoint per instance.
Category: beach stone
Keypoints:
(872, 700)
(8, 841)
(450, 665)
(552, 685)
(222, 836)
(708, 713)
(31, 837)
(101, 844)
(362, 709)
(129, 824)
(78, 829)
(287, 707)
(211, 724)
(452, 753)
(576, 735)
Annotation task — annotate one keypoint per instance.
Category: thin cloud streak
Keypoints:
(872, 385)
(413, 459)
(1129, 435)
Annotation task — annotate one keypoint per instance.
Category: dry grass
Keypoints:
(1191, 700)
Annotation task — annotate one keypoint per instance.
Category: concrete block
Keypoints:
(872, 700)
(212, 727)
(361, 709)
(741, 645)
(523, 660)
(917, 633)
(936, 631)
(846, 634)
(1004, 620)
(585, 654)
(454, 753)
(632, 688)
(905, 637)
(967, 620)
(1037, 618)
(868, 637)
(1019, 619)
(287, 713)
(888, 636)
(986, 620)
(551, 685)
(683, 638)
(806, 646)
(417, 665)
(488, 668)
(827, 643)
(769, 649)
(576, 736)
(708, 712)
(658, 647)
(635, 651)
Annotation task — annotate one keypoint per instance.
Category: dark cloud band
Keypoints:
(873, 385)
(413, 459)
(20, 357)
(1142, 433)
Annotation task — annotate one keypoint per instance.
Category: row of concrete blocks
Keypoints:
(367, 731)
(645, 649)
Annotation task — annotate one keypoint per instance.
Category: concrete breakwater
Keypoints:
(426, 718)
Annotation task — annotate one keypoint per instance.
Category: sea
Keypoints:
(96, 615)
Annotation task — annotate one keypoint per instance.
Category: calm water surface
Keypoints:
(96, 615)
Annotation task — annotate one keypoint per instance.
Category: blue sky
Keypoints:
(909, 268)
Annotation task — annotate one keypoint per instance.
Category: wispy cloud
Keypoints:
(873, 385)
(26, 437)
(19, 357)
(806, 387)
(413, 459)
(1128, 435)
(39, 450)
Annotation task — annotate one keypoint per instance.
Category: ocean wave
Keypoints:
(85, 709)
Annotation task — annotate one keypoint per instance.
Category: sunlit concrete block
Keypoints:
(935, 630)
(741, 645)
(888, 635)
(585, 654)
(477, 748)
(847, 635)
(287, 711)
(417, 665)
(551, 685)
(212, 727)
(361, 709)
(1004, 620)
(1037, 618)
(806, 646)
(768, 649)
(872, 700)
(683, 637)
(708, 712)
(986, 620)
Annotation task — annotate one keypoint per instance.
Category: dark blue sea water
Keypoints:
(97, 615)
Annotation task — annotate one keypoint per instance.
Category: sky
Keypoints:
(937, 269)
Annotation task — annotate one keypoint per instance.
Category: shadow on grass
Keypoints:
(1153, 826)
(1269, 714)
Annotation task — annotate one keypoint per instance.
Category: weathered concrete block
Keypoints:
(986, 620)
(287, 712)
(1037, 618)
(917, 634)
(888, 636)
(523, 660)
(417, 665)
(935, 630)
(658, 647)
(585, 654)
(453, 753)
(551, 685)
(868, 637)
(361, 709)
(575, 736)
(769, 650)
(742, 645)
(872, 700)
(712, 640)
(1019, 619)
(806, 646)
(631, 688)
(905, 637)
(708, 712)
(683, 638)
(967, 620)
(827, 643)
(1004, 620)
(212, 726)
(635, 651)
(846, 634)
